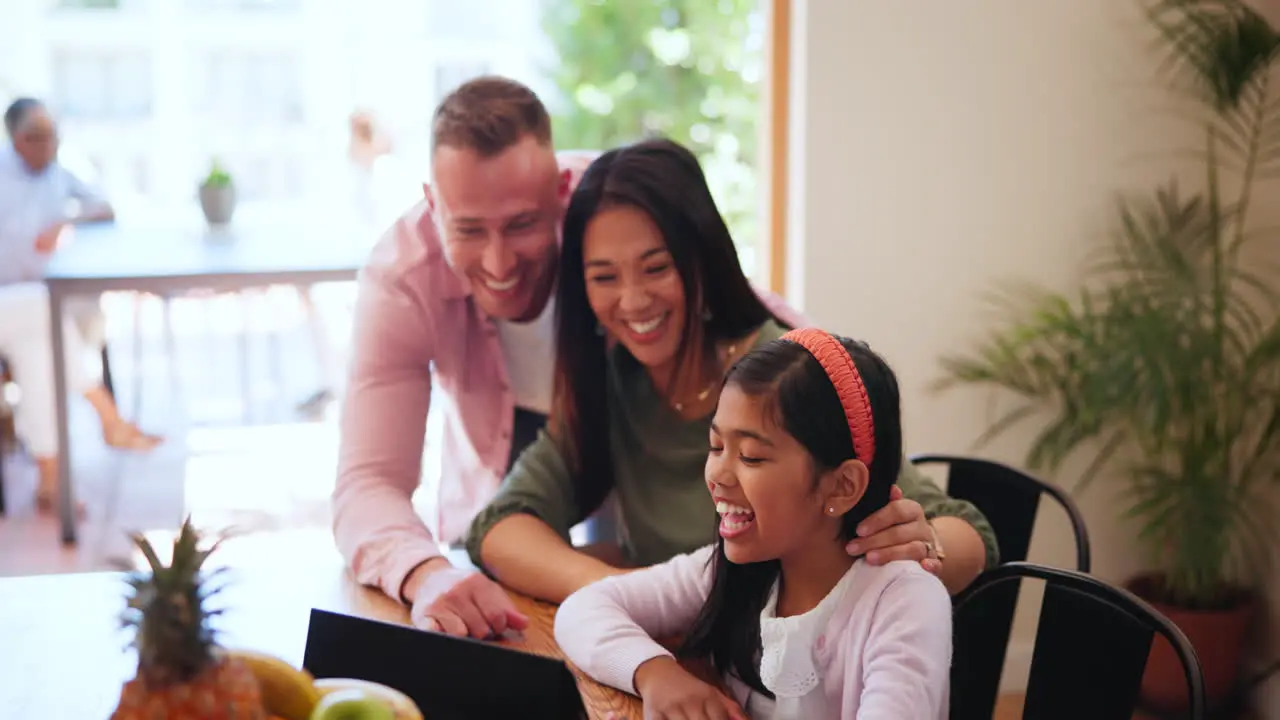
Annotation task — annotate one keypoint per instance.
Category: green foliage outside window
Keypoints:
(690, 70)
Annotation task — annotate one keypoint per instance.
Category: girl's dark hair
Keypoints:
(665, 181)
(804, 403)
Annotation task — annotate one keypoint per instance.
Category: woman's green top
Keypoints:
(658, 458)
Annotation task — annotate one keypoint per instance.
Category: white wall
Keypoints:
(938, 147)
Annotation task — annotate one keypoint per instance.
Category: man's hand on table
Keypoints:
(460, 602)
(897, 531)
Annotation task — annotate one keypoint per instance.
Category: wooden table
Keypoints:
(62, 656)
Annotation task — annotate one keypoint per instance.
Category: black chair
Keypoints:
(107, 380)
(1009, 499)
(8, 436)
(1091, 647)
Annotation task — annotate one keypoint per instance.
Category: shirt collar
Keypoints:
(13, 165)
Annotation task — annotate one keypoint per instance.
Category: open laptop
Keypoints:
(449, 678)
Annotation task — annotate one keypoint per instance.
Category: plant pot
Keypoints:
(218, 203)
(1218, 637)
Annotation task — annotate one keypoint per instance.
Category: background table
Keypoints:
(106, 258)
(62, 656)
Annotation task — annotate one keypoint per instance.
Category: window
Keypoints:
(110, 85)
(265, 176)
(89, 4)
(465, 21)
(248, 88)
(449, 75)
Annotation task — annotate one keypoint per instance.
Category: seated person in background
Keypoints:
(806, 443)
(39, 197)
(652, 306)
(40, 200)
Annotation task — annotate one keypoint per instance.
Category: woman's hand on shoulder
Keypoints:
(897, 531)
(669, 692)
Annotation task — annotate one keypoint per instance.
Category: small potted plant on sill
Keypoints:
(1164, 367)
(218, 195)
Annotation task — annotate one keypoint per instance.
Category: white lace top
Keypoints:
(787, 665)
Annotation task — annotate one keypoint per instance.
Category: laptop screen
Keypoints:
(449, 678)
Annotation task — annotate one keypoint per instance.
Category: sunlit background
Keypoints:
(151, 95)
(151, 92)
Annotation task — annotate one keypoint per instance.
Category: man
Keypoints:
(458, 292)
(40, 201)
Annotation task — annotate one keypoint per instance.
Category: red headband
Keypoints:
(835, 359)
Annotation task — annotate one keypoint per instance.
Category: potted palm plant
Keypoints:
(1163, 369)
(218, 195)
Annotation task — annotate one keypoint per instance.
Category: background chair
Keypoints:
(8, 432)
(1009, 499)
(8, 436)
(1090, 653)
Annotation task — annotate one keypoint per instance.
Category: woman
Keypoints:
(652, 307)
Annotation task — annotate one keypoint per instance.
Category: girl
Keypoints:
(806, 442)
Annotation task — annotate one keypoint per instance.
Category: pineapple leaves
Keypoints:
(168, 608)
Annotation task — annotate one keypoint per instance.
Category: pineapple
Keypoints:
(182, 673)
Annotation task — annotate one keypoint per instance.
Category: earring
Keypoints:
(599, 329)
(831, 511)
(706, 315)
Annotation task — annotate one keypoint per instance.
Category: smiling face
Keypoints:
(499, 218)
(633, 285)
(762, 480)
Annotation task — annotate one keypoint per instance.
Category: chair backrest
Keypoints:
(7, 432)
(1009, 499)
(1091, 646)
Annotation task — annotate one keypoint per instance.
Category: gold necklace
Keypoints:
(679, 406)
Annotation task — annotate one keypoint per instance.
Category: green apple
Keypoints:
(401, 706)
(352, 704)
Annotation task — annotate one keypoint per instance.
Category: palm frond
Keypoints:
(1171, 347)
(1217, 47)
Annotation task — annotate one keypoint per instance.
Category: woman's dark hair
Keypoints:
(804, 403)
(17, 113)
(664, 180)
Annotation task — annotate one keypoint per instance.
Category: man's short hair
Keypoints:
(489, 114)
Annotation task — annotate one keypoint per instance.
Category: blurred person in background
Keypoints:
(40, 202)
(380, 186)
(383, 184)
